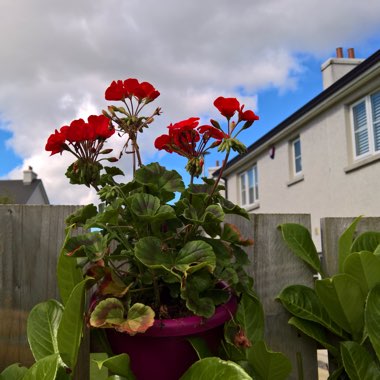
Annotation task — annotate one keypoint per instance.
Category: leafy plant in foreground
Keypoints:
(341, 312)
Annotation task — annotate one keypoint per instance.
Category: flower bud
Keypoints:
(112, 159)
(106, 151)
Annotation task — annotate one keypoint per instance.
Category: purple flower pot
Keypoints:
(163, 351)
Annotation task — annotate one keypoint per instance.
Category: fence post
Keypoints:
(273, 267)
(31, 237)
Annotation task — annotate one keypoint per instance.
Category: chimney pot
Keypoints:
(339, 52)
(29, 176)
(351, 53)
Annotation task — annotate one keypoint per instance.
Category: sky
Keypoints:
(58, 57)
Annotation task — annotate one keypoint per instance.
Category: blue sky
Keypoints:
(62, 56)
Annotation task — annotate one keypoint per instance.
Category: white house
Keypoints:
(30, 190)
(324, 159)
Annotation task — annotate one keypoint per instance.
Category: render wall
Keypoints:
(326, 188)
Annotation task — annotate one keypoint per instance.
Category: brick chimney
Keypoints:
(335, 68)
(29, 176)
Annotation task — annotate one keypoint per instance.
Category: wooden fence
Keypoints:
(31, 237)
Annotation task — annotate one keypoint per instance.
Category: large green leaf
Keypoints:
(365, 268)
(358, 363)
(367, 241)
(250, 316)
(42, 328)
(303, 302)
(200, 346)
(342, 297)
(118, 364)
(268, 365)
(372, 318)
(13, 372)
(156, 176)
(193, 256)
(215, 369)
(144, 205)
(44, 369)
(315, 331)
(345, 242)
(299, 240)
(71, 327)
(68, 272)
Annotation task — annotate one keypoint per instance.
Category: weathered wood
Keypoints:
(30, 241)
(274, 268)
(332, 229)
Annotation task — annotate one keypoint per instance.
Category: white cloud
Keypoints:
(58, 58)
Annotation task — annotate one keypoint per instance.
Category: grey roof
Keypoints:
(20, 193)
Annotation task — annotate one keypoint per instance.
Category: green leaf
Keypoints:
(80, 216)
(193, 256)
(201, 347)
(156, 176)
(343, 299)
(68, 272)
(231, 208)
(372, 318)
(13, 372)
(71, 327)
(315, 331)
(107, 313)
(215, 369)
(44, 369)
(250, 316)
(144, 205)
(365, 268)
(358, 363)
(42, 328)
(367, 241)
(118, 364)
(345, 242)
(303, 302)
(268, 365)
(139, 319)
(299, 240)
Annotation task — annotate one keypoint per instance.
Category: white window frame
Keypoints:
(248, 199)
(369, 128)
(295, 157)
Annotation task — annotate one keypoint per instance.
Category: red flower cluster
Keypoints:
(128, 88)
(228, 106)
(97, 128)
(184, 136)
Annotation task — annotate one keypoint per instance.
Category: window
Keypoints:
(249, 190)
(297, 157)
(366, 125)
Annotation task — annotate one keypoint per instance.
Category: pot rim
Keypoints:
(193, 324)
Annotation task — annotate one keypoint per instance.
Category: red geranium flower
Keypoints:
(56, 143)
(247, 115)
(227, 106)
(115, 91)
(101, 126)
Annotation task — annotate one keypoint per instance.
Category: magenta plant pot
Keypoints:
(163, 351)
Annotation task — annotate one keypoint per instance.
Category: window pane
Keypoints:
(297, 156)
(375, 103)
(243, 191)
(256, 183)
(251, 185)
(360, 128)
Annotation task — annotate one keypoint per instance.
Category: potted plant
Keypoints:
(155, 254)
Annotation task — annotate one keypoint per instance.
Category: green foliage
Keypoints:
(344, 308)
(215, 369)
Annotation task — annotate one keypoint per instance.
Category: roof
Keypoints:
(19, 193)
(321, 97)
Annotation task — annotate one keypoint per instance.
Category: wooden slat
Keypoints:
(332, 229)
(30, 241)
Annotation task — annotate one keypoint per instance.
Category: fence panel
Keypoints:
(332, 229)
(31, 237)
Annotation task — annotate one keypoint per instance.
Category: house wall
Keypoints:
(327, 188)
(36, 198)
